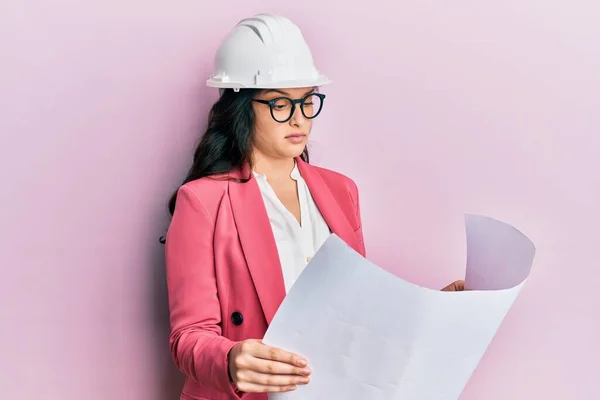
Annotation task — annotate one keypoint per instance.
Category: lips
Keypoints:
(296, 138)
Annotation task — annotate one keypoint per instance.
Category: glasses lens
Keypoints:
(312, 106)
(282, 109)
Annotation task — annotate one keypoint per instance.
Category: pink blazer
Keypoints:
(223, 271)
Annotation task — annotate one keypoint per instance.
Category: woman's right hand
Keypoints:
(256, 367)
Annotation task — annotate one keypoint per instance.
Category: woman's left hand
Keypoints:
(456, 286)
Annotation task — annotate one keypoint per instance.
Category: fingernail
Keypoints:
(304, 380)
(306, 371)
(302, 363)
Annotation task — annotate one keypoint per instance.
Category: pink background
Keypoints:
(437, 109)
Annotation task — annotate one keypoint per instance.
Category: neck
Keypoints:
(273, 168)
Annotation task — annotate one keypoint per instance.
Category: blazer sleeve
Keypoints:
(355, 196)
(196, 342)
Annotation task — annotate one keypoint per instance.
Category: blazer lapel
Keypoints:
(327, 203)
(258, 242)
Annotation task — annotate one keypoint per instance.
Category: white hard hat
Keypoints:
(266, 51)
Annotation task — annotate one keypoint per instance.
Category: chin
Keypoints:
(296, 151)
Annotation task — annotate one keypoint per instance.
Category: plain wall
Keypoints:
(438, 109)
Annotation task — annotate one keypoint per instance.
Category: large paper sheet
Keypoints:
(368, 334)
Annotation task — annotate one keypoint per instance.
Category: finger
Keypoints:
(275, 354)
(458, 286)
(257, 388)
(448, 288)
(259, 378)
(275, 367)
(455, 286)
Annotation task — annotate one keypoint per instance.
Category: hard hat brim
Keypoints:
(320, 81)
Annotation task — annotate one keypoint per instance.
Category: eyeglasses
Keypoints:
(282, 108)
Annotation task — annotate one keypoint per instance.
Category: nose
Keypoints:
(297, 118)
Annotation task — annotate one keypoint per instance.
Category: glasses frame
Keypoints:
(271, 104)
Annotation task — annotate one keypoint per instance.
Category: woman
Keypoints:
(250, 215)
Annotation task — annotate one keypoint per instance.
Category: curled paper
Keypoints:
(369, 334)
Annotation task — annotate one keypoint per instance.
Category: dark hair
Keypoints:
(227, 142)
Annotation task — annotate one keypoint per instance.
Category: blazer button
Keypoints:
(237, 318)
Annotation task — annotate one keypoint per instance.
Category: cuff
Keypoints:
(221, 372)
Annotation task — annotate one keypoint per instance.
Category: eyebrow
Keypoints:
(283, 92)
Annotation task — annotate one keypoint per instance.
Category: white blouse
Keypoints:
(296, 243)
